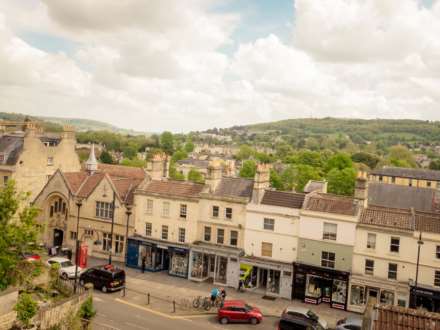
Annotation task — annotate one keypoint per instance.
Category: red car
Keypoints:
(31, 257)
(238, 311)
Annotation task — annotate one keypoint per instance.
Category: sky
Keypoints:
(191, 65)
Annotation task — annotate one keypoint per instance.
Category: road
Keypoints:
(114, 313)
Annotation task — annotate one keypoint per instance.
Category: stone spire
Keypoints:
(92, 164)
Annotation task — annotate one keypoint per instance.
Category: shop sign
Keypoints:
(162, 247)
(338, 306)
(311, 301)
(180, 250)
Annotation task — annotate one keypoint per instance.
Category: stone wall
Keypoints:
(8, 299)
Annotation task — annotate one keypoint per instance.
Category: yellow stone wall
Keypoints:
(405, 181)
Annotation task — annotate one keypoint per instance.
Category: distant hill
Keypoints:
(360, 131)
(55, 124)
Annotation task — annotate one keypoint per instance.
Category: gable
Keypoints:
(56, 184)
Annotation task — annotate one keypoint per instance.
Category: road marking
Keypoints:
(135, 326)
(97, 299)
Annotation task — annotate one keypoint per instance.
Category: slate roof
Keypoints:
(283, 199)
(173, 188)
(313, 185)
(329, 203)
(196, 162)
(414, 173)
(389, 218)
(234, 187)
(398, 196)
(11, 146)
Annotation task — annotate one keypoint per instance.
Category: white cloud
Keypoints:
(156, 65)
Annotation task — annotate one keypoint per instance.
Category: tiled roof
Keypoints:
(89, 184)
(283, 198)
(122, 171)
(75, 179)
(386, 217)
(321, 202)
(398, 196)
(173, 188)
(234, 187)
(428, 222)
(11, 147)
(414, 173)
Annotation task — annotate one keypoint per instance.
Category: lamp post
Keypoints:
(128, 212)
(112, 228)
(419, 245)
(78, 205)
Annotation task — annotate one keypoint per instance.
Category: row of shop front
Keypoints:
(227, 266)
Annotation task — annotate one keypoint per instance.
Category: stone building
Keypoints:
(412, 177)
(98, 186)
(31, 156)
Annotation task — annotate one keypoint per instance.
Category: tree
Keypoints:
(167, 142)
(174, 173)
(26, 309)
(399, 155)
(129, 152)
(435, 165)
(195, 176)
(275, 180)
(189, 146)
(105, 157)
(179, 155)
(366, 158)
(339, 161)
(248, 169)
(341, 182)
(19, 231)
(134, 162)
(305, 173)
(245, 152)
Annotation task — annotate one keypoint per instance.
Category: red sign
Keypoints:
(83, 256)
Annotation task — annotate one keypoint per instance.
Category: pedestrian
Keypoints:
(223, 294)
(240, 285)
(214, 294)
(144, 261)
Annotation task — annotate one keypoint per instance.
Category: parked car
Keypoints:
(30, 256)
(300, 318)
(106, 278)
(353, 322)
(67, 268)
(237, 311)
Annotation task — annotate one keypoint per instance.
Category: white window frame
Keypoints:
(233, 237)
(183, 211)
(149, 207)
(394, 245)
(392, 271)
(215, 211)
(369, 269)
(182, 235)
(207, 232)
(222, 235)
(164, 234)
(228, 213)
(148, 229)
(166, 209)
(269, 224)
(106, 242)
(119, 244)
(103, 210)
(326, 260)
(371, 243)
(330, 231)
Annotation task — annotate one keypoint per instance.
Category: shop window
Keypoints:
(380, 178)
(222, 266)
(164, 232)
(148, 229)
(371, 241)
(182, 235)
(146, 256)
(357, 295)
(220, 236)
(369, 267)
(215, 211)
(395, 244)
(207, 236)
(269, 224)
(266, 249)
(339, 291)
(330, 230)
(119, 243)
(437, 278)
(401, 302)
(387, 297)
(179, 264)
(73, 235)
(234, 237)
(149, 208)
(273, 281)
(428, 184)
(199, 265)
(104, 210)
(393, 179)
(392, 271)
(106, 242)
(410, 183)
(228, 213)
(88, 232)
(183, 211)
(437, 251)
(166, 209)
(328, 259)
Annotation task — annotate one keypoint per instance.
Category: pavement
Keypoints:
(156, 291)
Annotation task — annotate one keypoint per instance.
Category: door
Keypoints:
(133, 254)
(211, 265)
(372, 295)
(58, 236)
(299, 286)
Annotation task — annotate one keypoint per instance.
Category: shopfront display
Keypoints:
(316, 285)
(200, 263)
(425, 297)
(179, 262)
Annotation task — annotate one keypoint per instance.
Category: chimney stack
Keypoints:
(261, 182)
(159, 167)
(214, 175)
(361, 188)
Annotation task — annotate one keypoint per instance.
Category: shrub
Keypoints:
(26, 309)
(87, 311)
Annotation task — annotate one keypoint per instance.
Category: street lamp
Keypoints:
(78, 205)
(128, 212)
(419, 245)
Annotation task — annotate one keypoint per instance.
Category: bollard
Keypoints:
(123, 292)
(148, 298)
(174, 306)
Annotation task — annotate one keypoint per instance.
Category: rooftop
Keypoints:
(283, 199)
(172, 188)
(412, 173)
(234, 187)
(321, 202)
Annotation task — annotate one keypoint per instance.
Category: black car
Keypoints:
(106, 278)
(297, 322)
